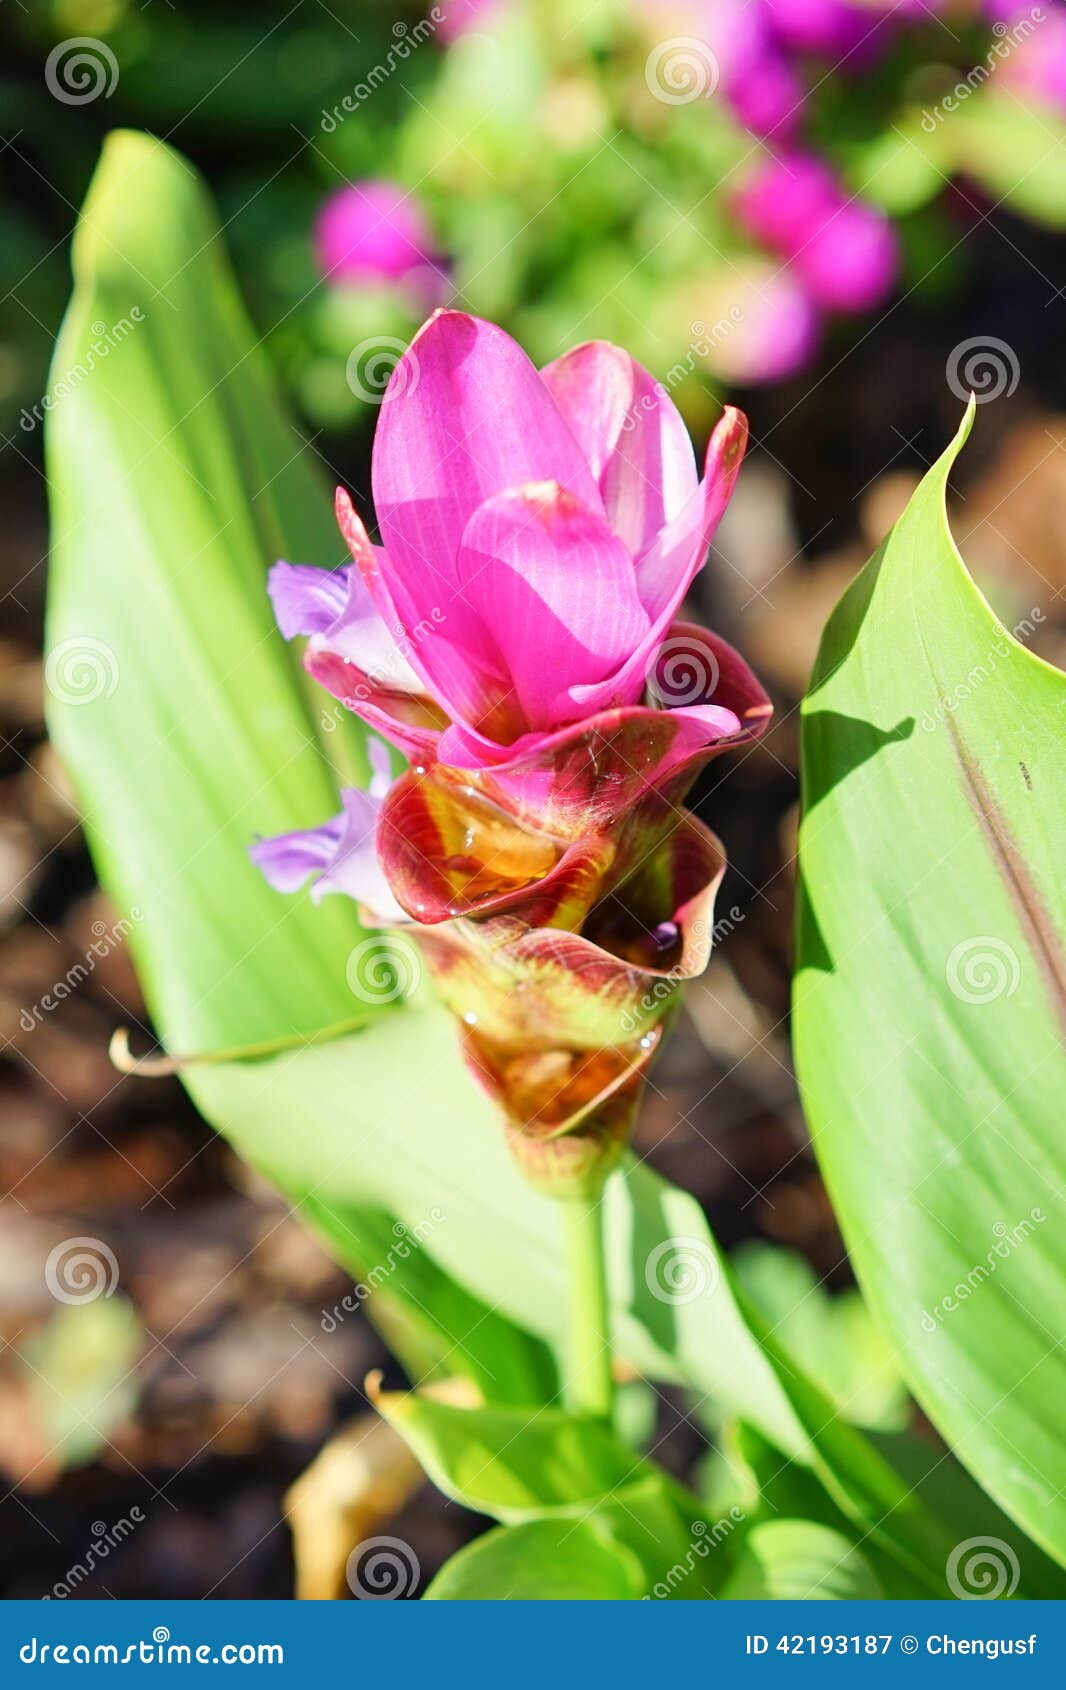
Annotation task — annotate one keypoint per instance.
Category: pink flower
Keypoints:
(758, 79)
(834, 29)
(374, 232)
(773, 327)
(459, 17)
(540, 531)
(843, 250)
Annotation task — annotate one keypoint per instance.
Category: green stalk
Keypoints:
(589, 1386)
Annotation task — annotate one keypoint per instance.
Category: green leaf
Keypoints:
(931, 991)
(519, 1465)
(541, 1561)
(831, 1337)
(184, 720)
(512, 1463)
(799, 1561)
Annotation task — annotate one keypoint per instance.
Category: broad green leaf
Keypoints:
(799, 1561)
(831, 1337)
(768, 1488)
(512, 1463)
(931, 991)
(185, 723)
(518, 1465)
(559, 1560)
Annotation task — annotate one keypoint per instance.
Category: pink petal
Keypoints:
(630, 430)
(410, 721)
(585, 777)
(369, 633)
(465, 416)
(556, 586)
(665, 573)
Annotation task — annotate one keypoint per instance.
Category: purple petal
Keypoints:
(557, 587)
(287, 859)
(632, 435)
(340, 854)
(306, 600)
(355, 869)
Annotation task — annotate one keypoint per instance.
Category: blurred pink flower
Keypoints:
(851, 261)
(458, 17)
(1033, 64)
(757, 78)
(778, 329)
(843, 250)
(374, 232)
(834, 29)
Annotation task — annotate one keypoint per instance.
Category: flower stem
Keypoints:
(589, 1387)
